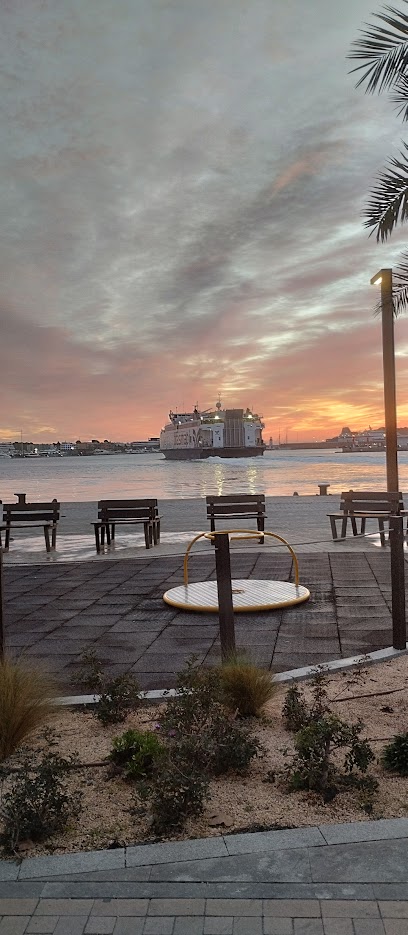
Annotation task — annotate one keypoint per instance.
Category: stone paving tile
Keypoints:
(161, 925)
(41, 925)
(355, 909)
(18, 907)
(70, 925)
(368, 927)
(129, 927)
(13, 925)
(308, 927)
(395, 927)
(119, 907)
(391, 909)
(222, 925)
(97, 925)
(278, 926)
(302, 908)
(188, 925)
(338, 927)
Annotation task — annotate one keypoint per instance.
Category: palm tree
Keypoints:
(382, 52)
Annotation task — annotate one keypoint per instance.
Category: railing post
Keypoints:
(224, 586)
(398, 582)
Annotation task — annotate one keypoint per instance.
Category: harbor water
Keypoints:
(277, 473)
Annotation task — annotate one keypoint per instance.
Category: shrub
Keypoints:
(38, 804)
(27, 700)
(313, 768)
(118, 695)
(246, 687)
(137, 752)
(199, 728)
(179, 793)
(395, 755)
(295, 712)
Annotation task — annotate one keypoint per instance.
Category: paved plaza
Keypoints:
(55, 612)
(349, 879)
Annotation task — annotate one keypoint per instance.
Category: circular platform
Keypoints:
(247, 595)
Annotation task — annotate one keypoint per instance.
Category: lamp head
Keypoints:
(377, 279)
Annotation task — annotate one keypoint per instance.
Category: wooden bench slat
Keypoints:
(237, 506)
(26, 515)
(364, 505)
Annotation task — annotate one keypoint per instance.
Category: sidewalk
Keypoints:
(349, 879)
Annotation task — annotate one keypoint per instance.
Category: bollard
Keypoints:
(224, 586)
(323, 489)
(21, 497)
(398, 582)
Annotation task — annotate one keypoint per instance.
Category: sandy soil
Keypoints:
(248, 802)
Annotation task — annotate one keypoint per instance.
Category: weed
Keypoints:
(117, 696)
(247, 688)
(38, 803)
(137, 752)
(27, 701)
(395, 755)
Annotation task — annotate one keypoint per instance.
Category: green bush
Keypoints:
(178, 793)
(137, 753)
(118, 696)
(313, 768)
(38, 804)
(295, 712)
(395, 755)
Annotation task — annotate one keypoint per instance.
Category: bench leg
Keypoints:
(97, 539)
(156, 532)
(54, 537)
(147, 534)
(354, 525)
(111, 532)
(333, 527)
(344, 527)
(47, 538)
(261, 527)
(382, 534)
(7, 540)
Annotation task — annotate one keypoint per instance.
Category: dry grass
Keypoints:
(247, 688)
(27, 701)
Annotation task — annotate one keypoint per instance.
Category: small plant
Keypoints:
(117, 696)
(295, 712)
(247, 688)
(38, 804)
(313, 767)
(179, 792)
(27, 701)
(137, 752)
(395, 755)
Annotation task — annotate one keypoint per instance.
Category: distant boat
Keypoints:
(219, 433)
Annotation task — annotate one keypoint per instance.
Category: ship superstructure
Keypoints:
(223, 433)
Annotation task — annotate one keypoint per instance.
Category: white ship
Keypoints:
(219, 433)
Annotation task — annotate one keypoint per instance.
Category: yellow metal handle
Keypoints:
(249, 534)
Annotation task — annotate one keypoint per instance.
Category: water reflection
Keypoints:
(277, 473)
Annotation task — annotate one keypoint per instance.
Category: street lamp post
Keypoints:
(384, 277)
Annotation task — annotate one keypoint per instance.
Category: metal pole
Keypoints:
(224, 586)
(390, 399)
(397, 582)
(390, 409)
(2, 641)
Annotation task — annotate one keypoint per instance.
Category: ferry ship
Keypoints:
(219, 433)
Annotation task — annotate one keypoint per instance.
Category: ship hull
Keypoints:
(198, 454)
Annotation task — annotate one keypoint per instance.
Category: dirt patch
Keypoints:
(377, 696)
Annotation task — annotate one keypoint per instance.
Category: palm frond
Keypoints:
(389, 199)
(400, 96)
(400, 286)
(383, 52)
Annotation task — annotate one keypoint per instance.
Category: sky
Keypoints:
(181, 191)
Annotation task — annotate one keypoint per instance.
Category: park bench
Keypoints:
(112, 513)
(24, 515)
(363, 505)
(237, 506)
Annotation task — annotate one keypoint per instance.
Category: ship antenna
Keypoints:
(218, 404)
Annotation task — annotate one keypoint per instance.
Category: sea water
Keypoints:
(150, 475)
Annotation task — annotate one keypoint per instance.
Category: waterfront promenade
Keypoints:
(56, 607)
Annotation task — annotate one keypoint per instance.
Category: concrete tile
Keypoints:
(369, 927)
(189, 925)
(247, 926)
(194, 849)
(218, 925)
(70, 863)
(338, 927)
(13, 925)
(119, 907)
(71, 907)
(100, 925)
(301, 908)
(17, 907)
(354, 831)
(160, 925)
(372, 861)
(43, 925)
(353, 908)
(278, 926)
(395, 927)
(9, 870)
(129, 927)
(265, 841)
(308, 927)
(391, 909)
(176, 907)
(290, 865)
(234, 907)
(70, 925)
